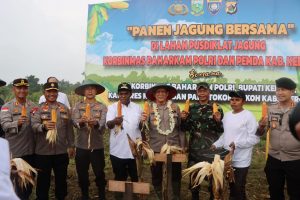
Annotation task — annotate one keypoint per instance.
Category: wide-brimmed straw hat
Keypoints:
(150, 92)
(80, 89)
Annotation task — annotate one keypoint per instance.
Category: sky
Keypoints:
(48, 37)
(43, 38)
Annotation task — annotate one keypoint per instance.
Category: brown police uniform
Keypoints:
(283, 162)
(20, 138)
(52, 156)
(90, 152)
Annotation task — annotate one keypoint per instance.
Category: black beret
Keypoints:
(20, 82)
(286, 83)
(124, 86)
(51, 86)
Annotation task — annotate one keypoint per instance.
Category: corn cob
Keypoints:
(52, 134)
(145, 147)
(53, 115)
(25, 172)
(23, 111)
(215, 108)
(167, 149)
(146, 108)
(88, 110)
(187, 106)
(132, 146)
(264, 109)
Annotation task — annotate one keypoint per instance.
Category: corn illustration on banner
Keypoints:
(230, 44)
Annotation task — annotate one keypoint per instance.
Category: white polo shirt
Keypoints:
(119, 145)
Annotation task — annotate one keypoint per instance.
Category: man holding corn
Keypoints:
(283, 161)
(204, 126)
(53, 129)
(15, 121)
(123, 119)
(89, 120)
(164, 129)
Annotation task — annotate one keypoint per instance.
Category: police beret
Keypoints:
(2, 83)
(80, 89)
(124, 86)
(286, 83)
(294, 118)
(51, 86)
(202, 85)
(20, 82)
(238, 93)
(171, 90)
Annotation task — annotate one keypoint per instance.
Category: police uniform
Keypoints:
(52, 156)
(20, 138)
(283, 162)
(157, 140)
(89, 142)
(204, 130)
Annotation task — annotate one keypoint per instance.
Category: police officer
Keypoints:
(89, 137)
(52, 155)
(17, 128)
(283, 162)
(204, 128)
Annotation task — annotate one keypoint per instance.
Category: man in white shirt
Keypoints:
(121, 128)
(6, 187)
(61, 98)
(239, 134)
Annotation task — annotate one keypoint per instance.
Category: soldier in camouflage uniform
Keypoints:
(204, 128)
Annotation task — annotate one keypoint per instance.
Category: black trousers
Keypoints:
(157, 173)
(45, 164)
(83, 159)
(124, 167)
(277, 173)
(238, 188)
(24, 193)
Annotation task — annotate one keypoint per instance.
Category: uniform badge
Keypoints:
(231, 7)
(197, 7)
(214, 6)
(33, 110)
(4, 109)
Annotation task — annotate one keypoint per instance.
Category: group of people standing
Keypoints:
(206, 129)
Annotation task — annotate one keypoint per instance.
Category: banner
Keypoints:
(230, 44)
